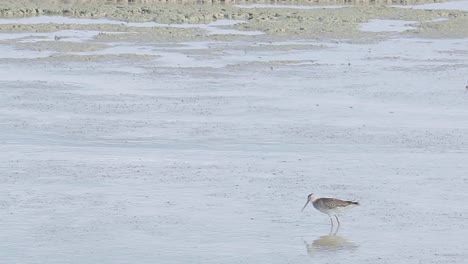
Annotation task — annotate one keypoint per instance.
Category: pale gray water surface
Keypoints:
(275, 6)
(379, 25)
(449, 5)
(153, 162)
(213, 28)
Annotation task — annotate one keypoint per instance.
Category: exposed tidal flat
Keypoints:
(189, 132)
(340, 21)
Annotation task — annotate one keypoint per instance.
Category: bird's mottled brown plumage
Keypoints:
(331, 203)
(329, 206)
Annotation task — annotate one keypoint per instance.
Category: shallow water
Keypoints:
(450, 5)
(290, 6)
(380, 25)
(207, 152)
(213, 28)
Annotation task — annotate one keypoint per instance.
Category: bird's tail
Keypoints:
(355, 203)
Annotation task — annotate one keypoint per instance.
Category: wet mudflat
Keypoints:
(139, 151)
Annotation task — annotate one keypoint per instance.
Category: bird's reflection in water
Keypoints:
(329, 243)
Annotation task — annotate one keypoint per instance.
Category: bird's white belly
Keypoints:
(333, 211)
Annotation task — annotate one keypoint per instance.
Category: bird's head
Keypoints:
(310, 198)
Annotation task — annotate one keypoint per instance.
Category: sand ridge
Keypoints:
(283, 23)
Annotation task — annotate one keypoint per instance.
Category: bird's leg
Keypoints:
(331, 227)
(337, 220)
(338, 224)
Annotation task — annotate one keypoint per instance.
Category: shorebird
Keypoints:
(329, 206)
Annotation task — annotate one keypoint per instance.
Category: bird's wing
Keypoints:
(333, 203)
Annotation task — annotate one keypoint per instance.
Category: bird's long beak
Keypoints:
(305, 205)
